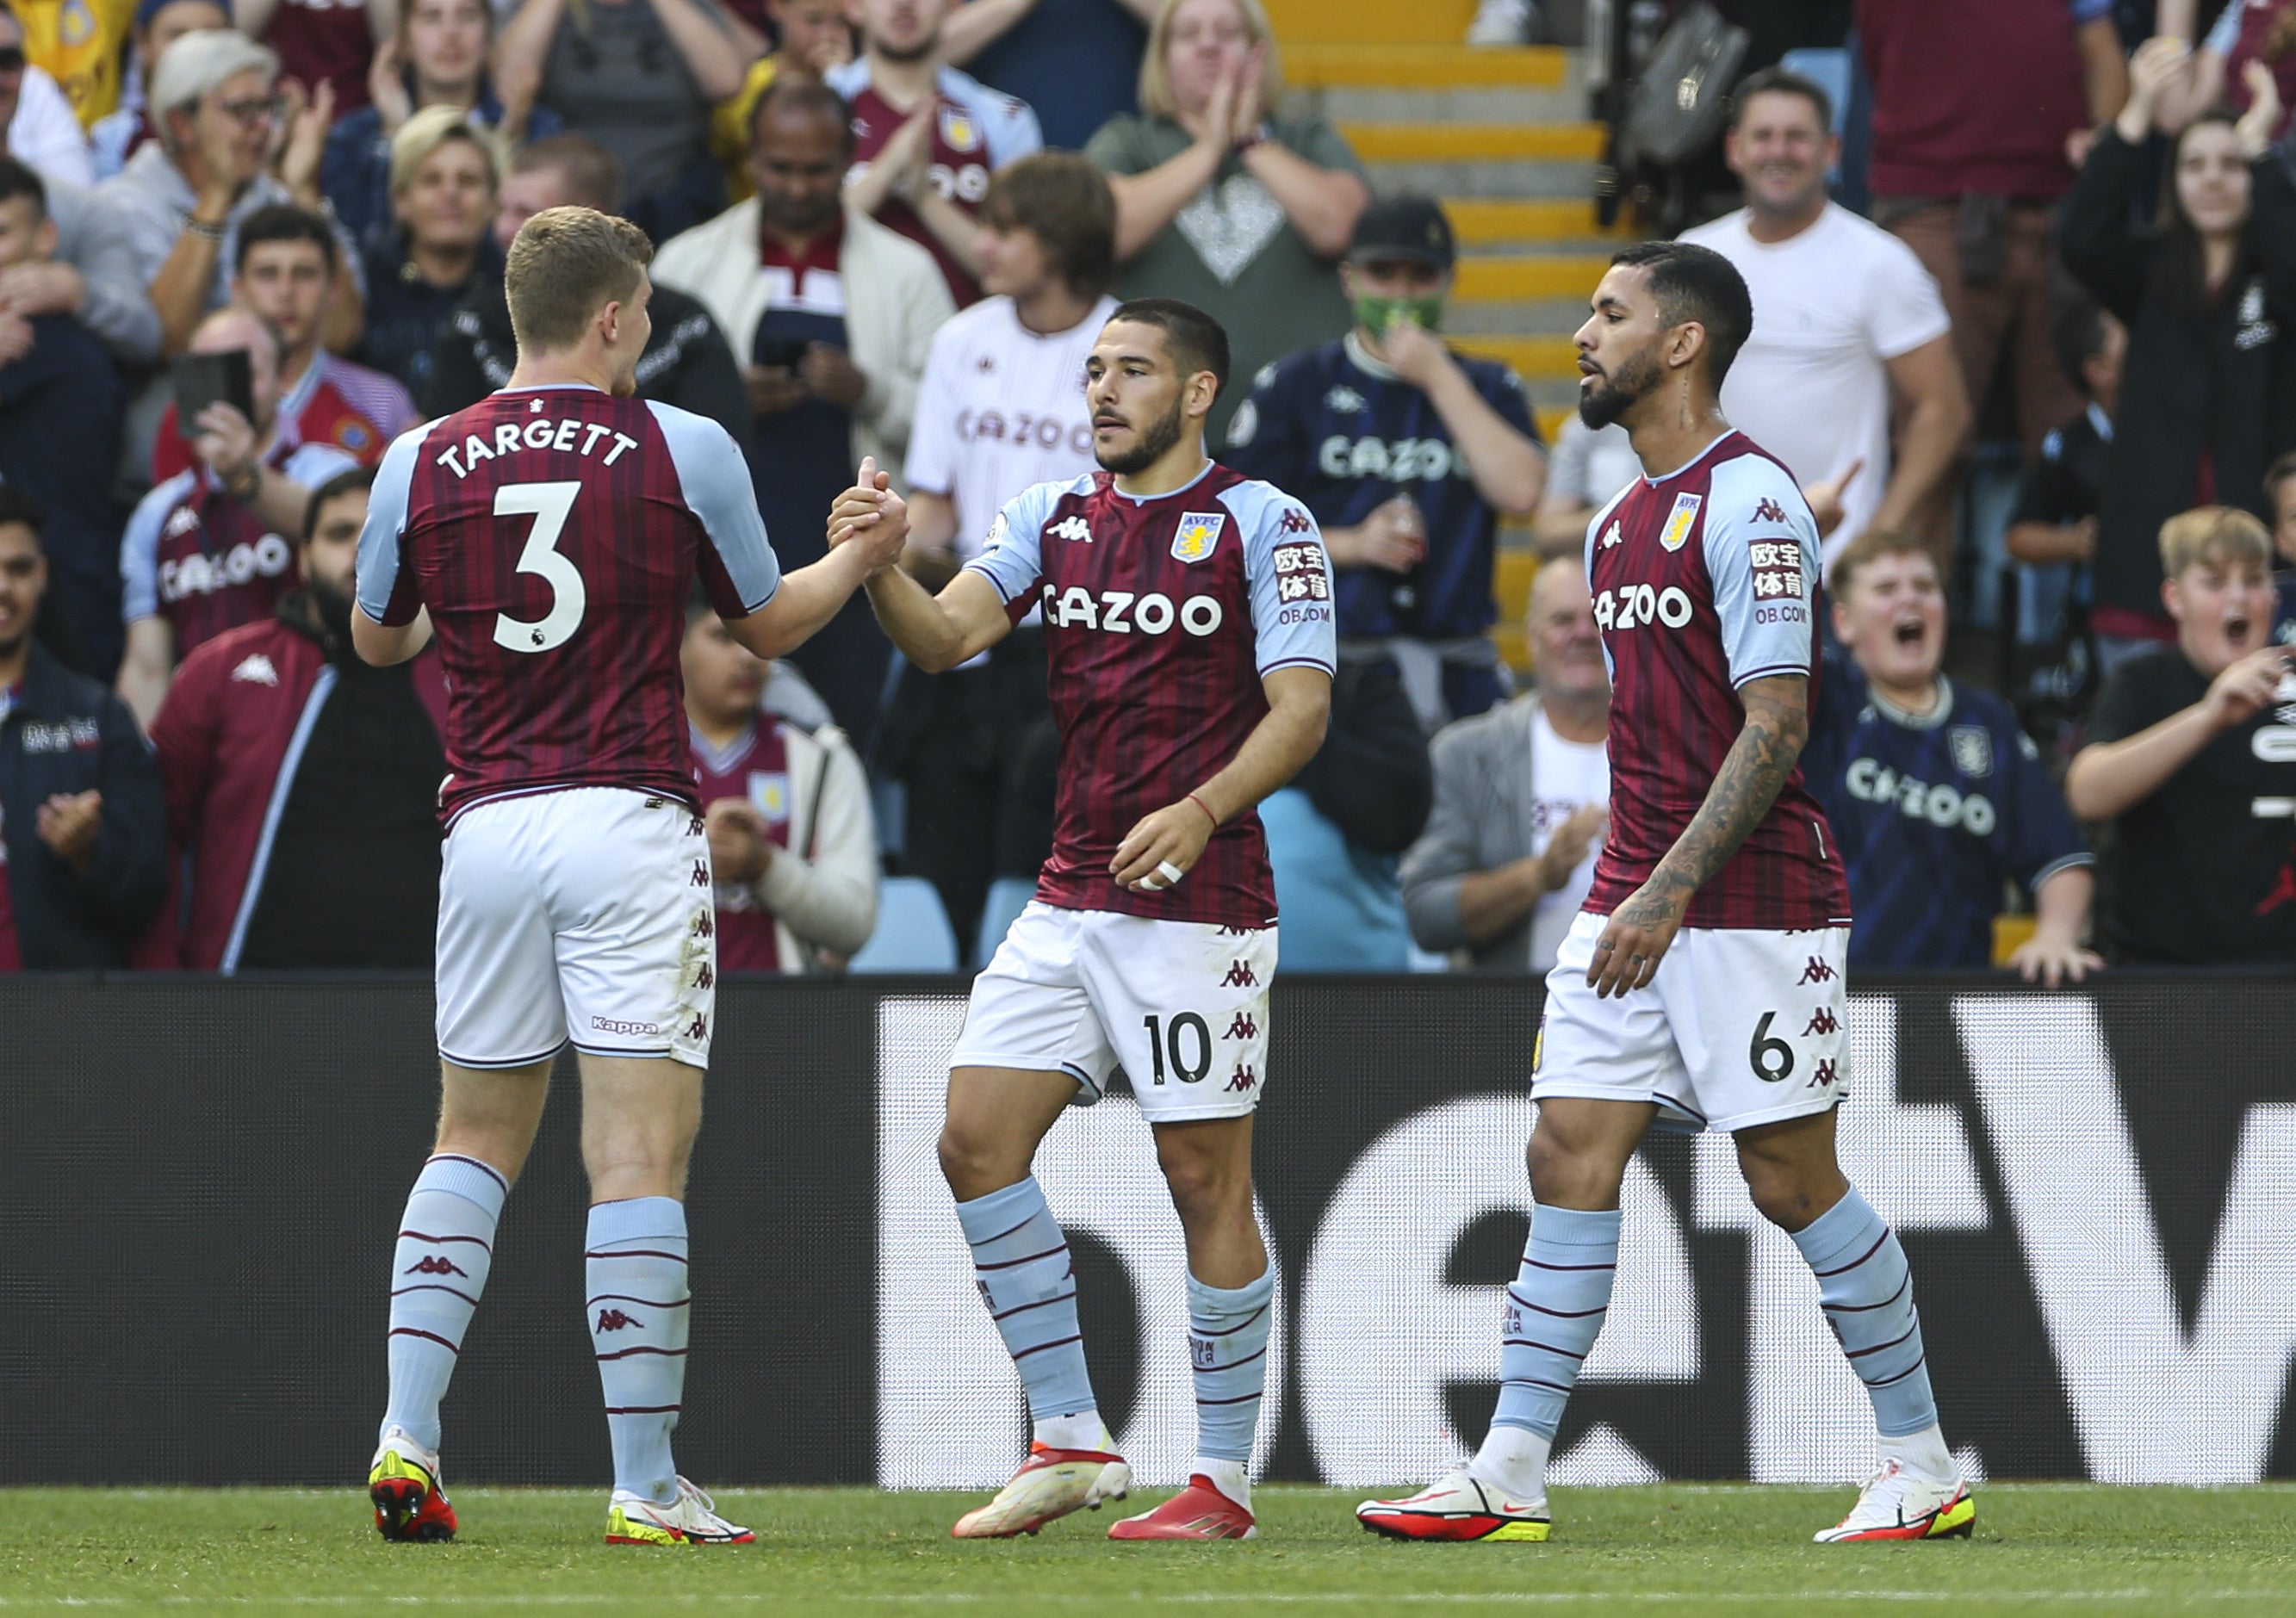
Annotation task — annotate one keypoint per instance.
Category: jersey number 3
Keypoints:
(549, 504)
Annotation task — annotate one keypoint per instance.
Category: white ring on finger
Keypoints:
(1170, 872)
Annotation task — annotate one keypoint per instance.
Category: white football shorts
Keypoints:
(1182, 1006)
(583, 915)
(1740, 1026)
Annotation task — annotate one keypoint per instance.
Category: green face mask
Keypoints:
(1377, 314)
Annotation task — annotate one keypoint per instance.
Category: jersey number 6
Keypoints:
(548, 503)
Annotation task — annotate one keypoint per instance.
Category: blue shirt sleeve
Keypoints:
(139, 548)
(2036, 837)
(1503, 390)
(1290, 578)
(715, 479)
(1012, 558)
(1268, 436)
(1762, 553)
(379, 593)
(2223, 39)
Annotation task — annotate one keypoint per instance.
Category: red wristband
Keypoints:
(1199, 804)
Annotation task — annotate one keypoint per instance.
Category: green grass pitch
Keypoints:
(1678, 1549)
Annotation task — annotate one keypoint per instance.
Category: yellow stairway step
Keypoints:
(1298, 22)
(1551, 421)
(1516, 279)
(1513, 641)
(1510, 583)
(1538, 359)
(1480, 221)
(1474, 143)
(1424, 67)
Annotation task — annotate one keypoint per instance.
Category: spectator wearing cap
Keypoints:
(438, 58)
(926, 136)
(2208, 296)
(1522, 795)
(83, 839)
(1982, 108)
(1937, 798)
(215, 103)
(93, 272)
(793, 843)
(687, 362)
(1226, 196)
(209, 549)
(60, 407)
(46, 131)
(1408, 455)
(2191, 759)
(832, 315)
(302, 783)
(285, 272)
(1850, 330)
(118, 133)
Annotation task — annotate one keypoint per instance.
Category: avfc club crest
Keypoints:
(958, 132)
(1676, 532)
(769, 790)
(1198, 534)
(1972, 749)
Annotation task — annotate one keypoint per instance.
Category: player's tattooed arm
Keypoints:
(1752, 774)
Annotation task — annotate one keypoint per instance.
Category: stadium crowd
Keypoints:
(244, 245)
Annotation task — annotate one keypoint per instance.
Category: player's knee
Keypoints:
(973, 1162)
(1566, 1174)
(1785, 1194)
(1202, 1184)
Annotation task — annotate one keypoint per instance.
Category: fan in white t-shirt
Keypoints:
(1845, 320)
(1002, 404)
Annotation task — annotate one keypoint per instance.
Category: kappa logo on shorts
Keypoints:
(1239, 976)
(1244, 1079)
(1817, 971)
(705, 926)
(607, 1024)
(700, 874)
(1822, 1021)
(1244, 1027)
(699, 1028)
(1824, 1076)
(705, 977)
(614, 1320)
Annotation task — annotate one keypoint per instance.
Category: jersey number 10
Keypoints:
(549, 504)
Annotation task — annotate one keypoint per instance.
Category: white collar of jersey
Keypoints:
(1909, 720)
(553, 387)
(2100, 420)
(1168, 494)
(291, 403)
(1693, 461)
(1360, 358)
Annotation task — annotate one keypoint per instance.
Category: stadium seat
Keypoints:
(912, 931)
(1008, 896)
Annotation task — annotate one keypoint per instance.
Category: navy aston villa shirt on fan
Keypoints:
(555, 534)
(1934, 812)
(1344, 434)
(1162, 615)
(1704, 580)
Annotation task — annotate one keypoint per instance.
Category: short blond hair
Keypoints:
(2214, 535)
(566, 264)
(1156, 98)
(1873, 545)
(424, 132)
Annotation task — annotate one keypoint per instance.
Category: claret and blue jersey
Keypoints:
(1935, 814)
(1344, 435)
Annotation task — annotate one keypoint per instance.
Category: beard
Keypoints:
(917, 52)
(333, 608)
(1599, 407)
(1153, 446)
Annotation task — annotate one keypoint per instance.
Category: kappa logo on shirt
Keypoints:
(1769, 511)
(1344, 400)
(1676, 532)
(1612, 538)
(255, 669)
(1073, 528)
